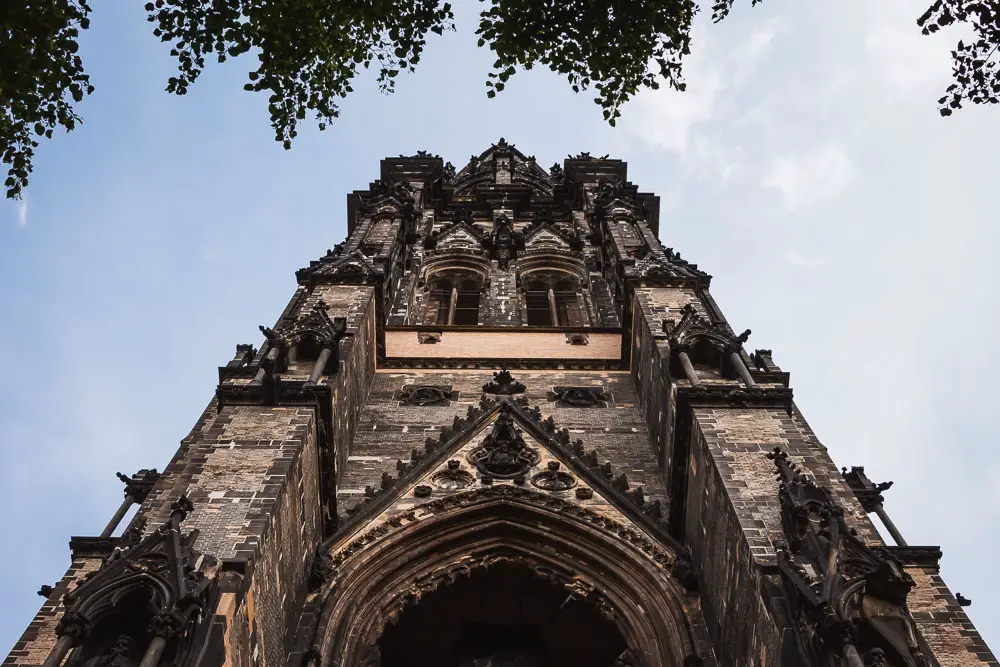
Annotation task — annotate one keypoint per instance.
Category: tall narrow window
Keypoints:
(454, 299)
(550, 300)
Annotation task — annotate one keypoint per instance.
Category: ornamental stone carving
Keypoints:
(504, 454)
(579, 397)
(504, 384)
(426, 395)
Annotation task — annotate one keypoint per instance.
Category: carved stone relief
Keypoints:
(424, 394)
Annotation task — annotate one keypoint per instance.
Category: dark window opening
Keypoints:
(539, 313)
(118, 639)
(454, 299)
(504, 616)
(552, 301)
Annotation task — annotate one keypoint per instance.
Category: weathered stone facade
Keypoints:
(501, 424)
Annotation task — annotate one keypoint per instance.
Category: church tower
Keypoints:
(501, 425)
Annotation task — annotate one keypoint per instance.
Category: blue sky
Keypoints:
(847, 224)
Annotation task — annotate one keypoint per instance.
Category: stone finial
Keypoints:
(503, 383)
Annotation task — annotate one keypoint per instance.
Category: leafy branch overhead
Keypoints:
(974, 65)
(41, 76)
(308, 52)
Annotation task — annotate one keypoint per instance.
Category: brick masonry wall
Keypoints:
(252, 473)
(730, 579)
(733, 525)
(389, 431)
(351, 386)
(278, 584)
(234, 470)
(943, 624)
(348, 301)
(658, 304)
(648, 357)
(736, 444)
(39, 638)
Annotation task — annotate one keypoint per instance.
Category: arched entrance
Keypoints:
(501, 616)
(382, 572)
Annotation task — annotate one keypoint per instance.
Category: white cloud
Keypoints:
(804, 260)
(904, 58)
(747, 55)
(664, 119)
(667, 119)
(810, 177)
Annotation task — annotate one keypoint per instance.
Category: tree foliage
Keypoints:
(974, 65)
(309, 52)
(41, 76)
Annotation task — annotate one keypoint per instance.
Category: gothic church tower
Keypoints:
(501, 425)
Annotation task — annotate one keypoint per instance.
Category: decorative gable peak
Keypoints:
(353, 268)
(315, 324)
(460, 236)
(504, 447)
(503, 383)
(503, 164)
(546, 237)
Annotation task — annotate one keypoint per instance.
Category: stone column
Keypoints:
(137, 487)
(452, 304)
(321, 362)
(741, 369)
(72, 630)
(553, 311)
(870, 496)
(688, 367)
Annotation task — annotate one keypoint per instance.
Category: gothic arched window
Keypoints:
(454, 299)
(550, 299)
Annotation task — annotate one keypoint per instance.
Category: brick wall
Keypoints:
(729, 575)
(234, 470)
(658, 304)
(40, 637)
(736, 444)
(943, 624)
(350, 389)
(648, 364)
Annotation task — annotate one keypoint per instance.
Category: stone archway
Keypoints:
(382, 571)
(503, 615)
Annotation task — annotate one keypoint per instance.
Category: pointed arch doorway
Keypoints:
(504, 615)
(387, 571)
